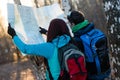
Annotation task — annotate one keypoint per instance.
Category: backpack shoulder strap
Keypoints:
(47, 66)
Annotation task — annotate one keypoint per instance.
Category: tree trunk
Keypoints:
(112, 11)
(17, 2)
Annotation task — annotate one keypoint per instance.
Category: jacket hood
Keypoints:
(61, 40)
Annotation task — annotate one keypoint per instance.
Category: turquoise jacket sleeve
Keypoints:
(42, 49)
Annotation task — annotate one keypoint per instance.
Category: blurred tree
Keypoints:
(17, 2)
(112, 11)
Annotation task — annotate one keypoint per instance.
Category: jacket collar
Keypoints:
(80, 26)
(84, 30)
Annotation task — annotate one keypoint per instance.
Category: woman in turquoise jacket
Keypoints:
(58, 35)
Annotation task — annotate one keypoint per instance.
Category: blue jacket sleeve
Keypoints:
(42, 49)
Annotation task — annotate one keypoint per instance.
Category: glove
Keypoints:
(11, 31)
(42, 30)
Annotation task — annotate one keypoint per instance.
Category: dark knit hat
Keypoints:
(75, 17)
